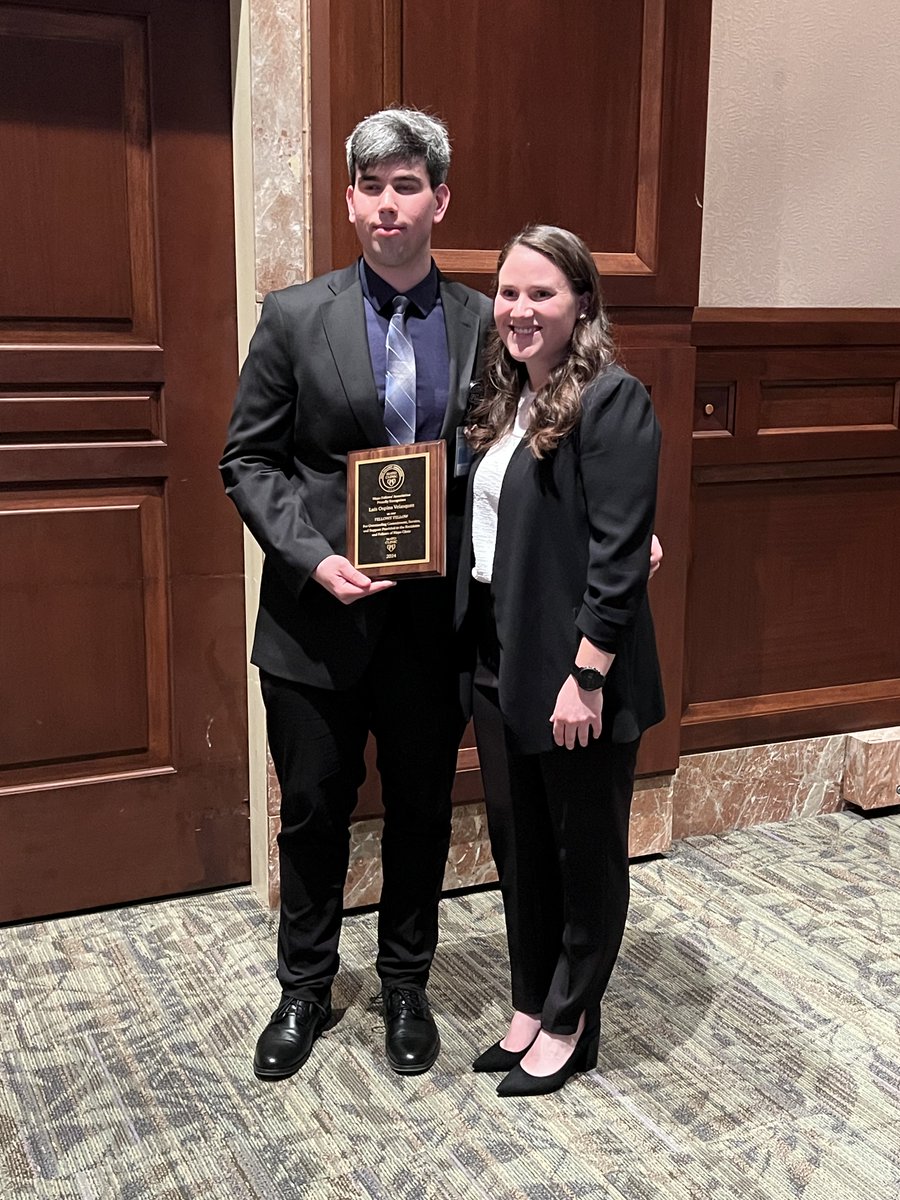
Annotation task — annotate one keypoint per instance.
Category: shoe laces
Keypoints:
(396, 999)
(295, 1004)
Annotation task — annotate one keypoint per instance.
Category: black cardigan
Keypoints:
(572, 558)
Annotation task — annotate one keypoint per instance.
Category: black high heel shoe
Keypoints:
(497, 1058)
(583, 1058)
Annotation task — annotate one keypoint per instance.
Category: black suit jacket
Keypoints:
(572, 558)
(307, 397)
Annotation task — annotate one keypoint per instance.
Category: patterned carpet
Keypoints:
(751, 1048)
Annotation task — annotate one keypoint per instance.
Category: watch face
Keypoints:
(589, 678)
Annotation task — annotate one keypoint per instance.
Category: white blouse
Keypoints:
(487, 486)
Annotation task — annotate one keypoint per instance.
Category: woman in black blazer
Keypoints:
(553, 597)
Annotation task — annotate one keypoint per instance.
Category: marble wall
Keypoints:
(279, 50)
(733, 789)
(270, 50)
(872, 768)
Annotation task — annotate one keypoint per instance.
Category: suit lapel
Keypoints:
(462, 343)
(345, 328)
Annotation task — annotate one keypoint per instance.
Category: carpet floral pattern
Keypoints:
(750, 1049)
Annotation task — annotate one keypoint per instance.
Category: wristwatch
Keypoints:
(589, 679)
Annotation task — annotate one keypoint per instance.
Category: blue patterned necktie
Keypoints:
(400, 380)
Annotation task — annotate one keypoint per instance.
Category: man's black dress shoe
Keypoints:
(285, 1043)
(411, 1039)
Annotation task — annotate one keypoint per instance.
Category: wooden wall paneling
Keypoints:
(597, 123)
(123, 765)
(828, 407)
(714, 409)
(792, 626)
(348, 81)
(793, 593)
(848, 396)
(614, 148)
(526, 156)
(668, 373)
(733, 328)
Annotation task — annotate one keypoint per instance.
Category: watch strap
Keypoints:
(589, 679)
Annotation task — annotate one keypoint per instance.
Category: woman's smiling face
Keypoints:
(535, 311)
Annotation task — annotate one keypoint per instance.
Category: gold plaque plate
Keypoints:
(396, 510)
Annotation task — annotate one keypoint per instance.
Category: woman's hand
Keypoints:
(576, 715)
(656, 555)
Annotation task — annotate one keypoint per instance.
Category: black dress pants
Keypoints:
(558, 823)
(408, 697)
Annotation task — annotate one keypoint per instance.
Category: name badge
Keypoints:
(464, 455)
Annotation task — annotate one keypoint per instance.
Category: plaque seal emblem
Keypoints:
(391, 477)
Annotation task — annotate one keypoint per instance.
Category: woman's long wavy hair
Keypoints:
(556, 408)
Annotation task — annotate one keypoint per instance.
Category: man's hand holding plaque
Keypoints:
(396, 510)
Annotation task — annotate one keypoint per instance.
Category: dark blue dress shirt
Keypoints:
(428, 334)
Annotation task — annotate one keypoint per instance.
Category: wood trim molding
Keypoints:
(787, 702)
(737, 327)
(649, 149)
(392, 53)
(320, 137)
(753, 720)
(484, 262)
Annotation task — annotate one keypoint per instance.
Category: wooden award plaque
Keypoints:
(397, 510)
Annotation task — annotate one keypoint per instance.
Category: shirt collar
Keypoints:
(380, 293)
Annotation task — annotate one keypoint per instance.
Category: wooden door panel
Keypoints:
(74, 594)
(80, 415)
(73, 93)
(123, 765)
(86, 676)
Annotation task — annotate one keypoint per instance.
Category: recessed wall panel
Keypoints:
(588, 114)
(36, 416)
(828, 405)
(79, 602)
(77, 234)
(793, 587)
(529, 103)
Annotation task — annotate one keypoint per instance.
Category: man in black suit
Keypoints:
(340, 655)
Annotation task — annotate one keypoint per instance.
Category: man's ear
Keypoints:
(441, 200)
(350, 209)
